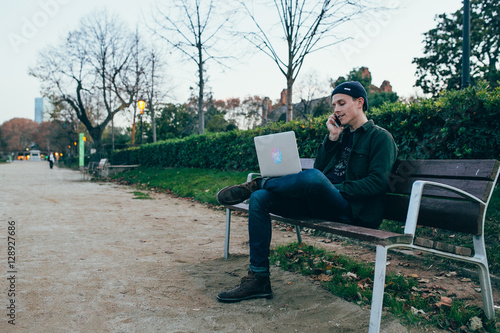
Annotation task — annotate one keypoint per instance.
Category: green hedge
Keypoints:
(457, 124)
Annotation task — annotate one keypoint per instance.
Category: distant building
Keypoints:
(43, 107)
(275, 113)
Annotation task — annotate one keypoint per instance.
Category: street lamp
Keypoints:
(141, 104)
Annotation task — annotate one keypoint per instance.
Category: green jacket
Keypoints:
(369, 165)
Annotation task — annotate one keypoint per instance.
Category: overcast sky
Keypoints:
(385, 44)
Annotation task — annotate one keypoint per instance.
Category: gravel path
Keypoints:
(91, 258)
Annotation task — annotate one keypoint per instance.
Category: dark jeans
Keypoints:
(308, 193)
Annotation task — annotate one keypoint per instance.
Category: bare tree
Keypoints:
(307, 27)
(153, 79)
(91, 72)
(193, 29)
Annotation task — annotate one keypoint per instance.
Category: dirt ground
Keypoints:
(91, 258)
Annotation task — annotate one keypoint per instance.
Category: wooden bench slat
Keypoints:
(473, 169)
(478, 188)
(375, 236)
(453, 215)
(460, 250)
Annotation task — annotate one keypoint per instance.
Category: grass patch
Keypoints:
(352, 281)
(141, 195)
(200, 184)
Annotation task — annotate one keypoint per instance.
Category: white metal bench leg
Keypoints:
(228, 231)
(378, 289)
(484, 276)
(299, 237)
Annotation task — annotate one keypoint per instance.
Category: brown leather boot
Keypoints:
(234, 194)
(251, 286)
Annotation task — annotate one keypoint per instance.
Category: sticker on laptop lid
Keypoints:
(276, 155)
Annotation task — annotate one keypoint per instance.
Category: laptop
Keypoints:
(277, 154)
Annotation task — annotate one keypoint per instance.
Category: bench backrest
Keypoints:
(102, 163)
(441, 208)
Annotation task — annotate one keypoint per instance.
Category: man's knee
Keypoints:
(259, 197)
(314, 176)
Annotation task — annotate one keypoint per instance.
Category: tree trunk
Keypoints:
(153, 122)
(201, 84)
(289, 92)
(96, 134)
(133, 124)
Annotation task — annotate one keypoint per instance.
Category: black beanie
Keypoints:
(353, 89)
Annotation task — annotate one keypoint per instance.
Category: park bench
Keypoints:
(444, 194)
(105, 169)
(93, 167)
(111, 169)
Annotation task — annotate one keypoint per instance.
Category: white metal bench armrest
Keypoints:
(417, 191)
(251, 175)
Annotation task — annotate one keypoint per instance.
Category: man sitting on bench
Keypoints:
(348, 184)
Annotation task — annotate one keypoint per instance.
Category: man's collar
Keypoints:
(366, 126)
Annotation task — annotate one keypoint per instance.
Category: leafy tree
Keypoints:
(175, 121)
(216, 121)
(323, 107)
(18, 134)
(441, 66)
(120, 137)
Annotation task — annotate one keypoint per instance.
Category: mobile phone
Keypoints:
(337, 121)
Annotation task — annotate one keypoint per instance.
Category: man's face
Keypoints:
(347, 109)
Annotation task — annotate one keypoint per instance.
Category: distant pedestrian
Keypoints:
(51, 160)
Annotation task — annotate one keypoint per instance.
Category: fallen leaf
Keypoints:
(363, 284)
(445, 301)
(324, 277)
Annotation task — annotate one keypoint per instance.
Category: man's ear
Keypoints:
(360, 102)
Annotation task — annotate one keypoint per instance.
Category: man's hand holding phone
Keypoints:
(334, 127)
